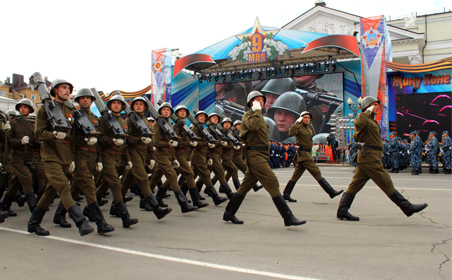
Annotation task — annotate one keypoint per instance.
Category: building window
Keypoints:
(33, 97)
(3, 93)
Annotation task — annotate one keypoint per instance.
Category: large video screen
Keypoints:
(424, 112)
(321, 94)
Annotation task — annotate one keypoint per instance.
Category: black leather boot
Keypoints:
(199, 187)
(122, 211)
(88, 213)
(217, 200)
(286, 213)
(77, 216)
(113, 211)
(102, 226)
(329, 189)
(344, 205)
(160, 195)
(159, 212)
(101, 201)
(20, 199)
(435, 171)
(447, 171)
(407, 207)
(195, 198)
(288, 191)
(35, 221)
(415, 172)
(257, 188)
(31, 201)
(183, 203)
(3, 216)
(59, 218)
(6, 205)
(236, 184)
(144, 204)
(232, 208)
(227, 189)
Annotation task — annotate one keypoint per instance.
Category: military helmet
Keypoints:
(279, 86)
(226, 120)
(413, 132)
(290, 101)
(252, 95)
(84, 92)
(432, 132)
(305, 113)
(12, 112)
(27, 102)
(151, 119)
(119, 98)
(367, 101)
(201, 112)
(166, 104)
(139, 98)
(178, 107)
(57, 82)
(214, 114)
(237, 122)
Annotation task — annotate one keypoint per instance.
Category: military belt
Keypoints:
(141, 146)
(375, 148)
(82, 148)
(257, 148)
(20, 152)
(304, 149)
(201, 150)
(62, 141)
(113, 152)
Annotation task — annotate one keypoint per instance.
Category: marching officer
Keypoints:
(369, 165)
(57, 153)
(446, 152)
(303, 136)
(415, 152)
(432, 151)
(255, 134)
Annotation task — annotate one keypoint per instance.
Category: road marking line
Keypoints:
(167, 258)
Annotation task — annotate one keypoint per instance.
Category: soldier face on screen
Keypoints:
(24, 110)
(166, 112)
(116, 106)
(227, 125)
(306, 119)
(201, 118)
(271, 98)
(139, 106)
(181, 114)
(85, 101)
(284, 120)
(62, 92)
(213, 119)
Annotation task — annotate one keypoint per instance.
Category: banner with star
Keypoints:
(375, 50)
(161, 75)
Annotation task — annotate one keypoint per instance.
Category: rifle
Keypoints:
(233, 110)
(217, 132)
(54, 113)
(161, 121)
(201, 128)
(230, 137)
(137, 121)
(110, 119)
(182, 125)
(82, 121)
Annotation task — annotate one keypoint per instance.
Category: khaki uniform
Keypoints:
(216, 155)
(199, 158)
(227, 162)
(369, 166)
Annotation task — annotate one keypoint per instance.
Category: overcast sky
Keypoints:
(108, 44)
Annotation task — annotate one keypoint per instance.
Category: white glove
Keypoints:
(129, 165)
(408, 151)
(209, 162)
(99, 166)
(1, 165)
(91, 140)
(224, 143)
(146, 140)
(25, 140)
(237, 147)
(193, 143)
(6, 126)
(299, 119)
(256, 106)
(151, 164)
(441, 150)
(189, 163)
(176, 163)
(59, 135)
(371, 108)
(211, 145)
(221, 160)
(118, 141)
(173, 143)
(72, 167)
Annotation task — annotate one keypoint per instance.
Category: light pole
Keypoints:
(354, 106)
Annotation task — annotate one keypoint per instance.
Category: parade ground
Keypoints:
(384, 244)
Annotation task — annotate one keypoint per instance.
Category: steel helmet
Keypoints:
(84, 92)
(201, 112)
(367, 101)
(119, 98)
(214, 114)
(166, 104)
(237, 122)
(226, 120)
(252, 95)
(151, 119)
(290, 101)
(27, 102)
(57, 82)
(305, 113)
(178, 107)
(12, 112)
(139, 98)
(279, 86)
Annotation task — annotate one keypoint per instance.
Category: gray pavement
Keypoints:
(385, 244)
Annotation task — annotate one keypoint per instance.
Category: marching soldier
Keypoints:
(446, 152)
(255, 135)
(415, 152)
(432, 151)
(57, 153)
(368, 137)
(303, 136)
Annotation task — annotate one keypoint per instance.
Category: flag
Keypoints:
(161, 75)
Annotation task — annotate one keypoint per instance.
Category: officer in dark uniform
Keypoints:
(369, 166)
(432, 151)
(57, 153)
(393, 149)
(415, 152)
(255, 135)
(303, 135)
(446, 151)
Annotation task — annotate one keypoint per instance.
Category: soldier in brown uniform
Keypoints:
(139, 152)
(199, 159)
(88, 157)
(113, 150)
(3, 213)
(303, 137)
(369, 166)
(57, 153)
(255, 134)
(166, 160)
(21, 139)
